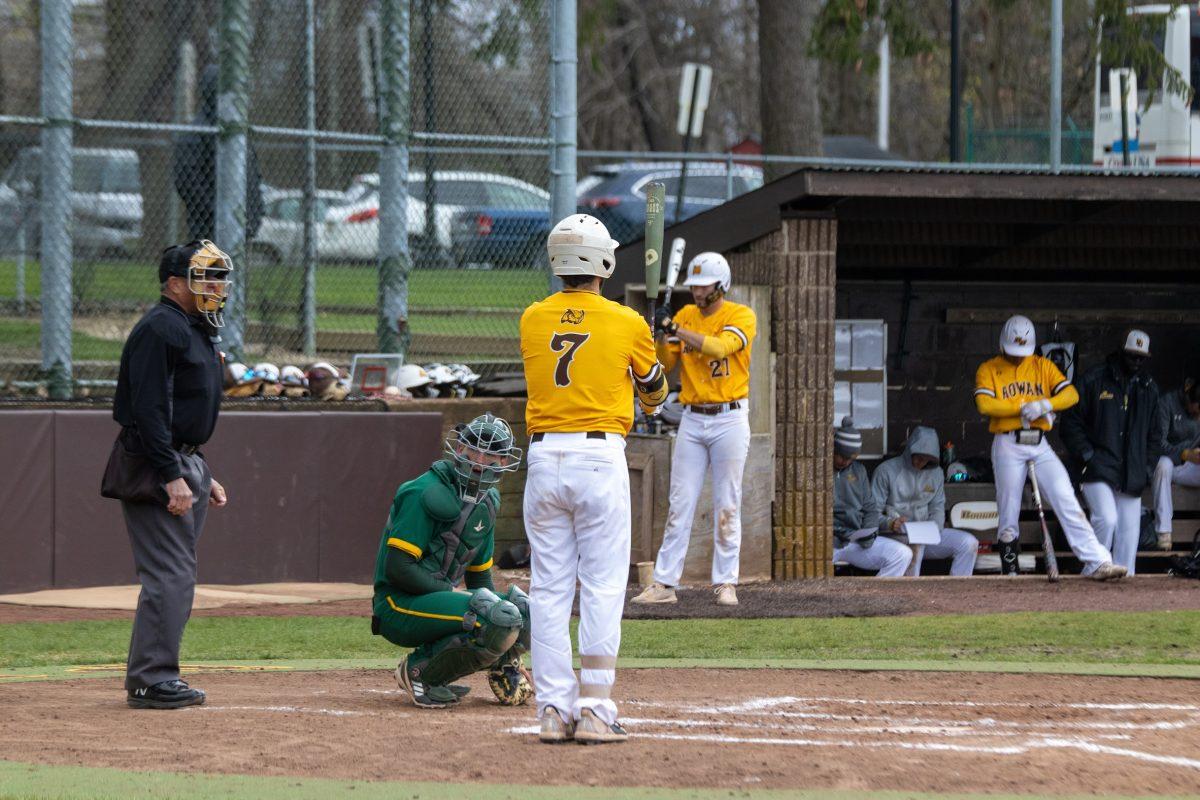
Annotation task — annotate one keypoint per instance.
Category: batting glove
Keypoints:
(1034, 409)
(663, 321)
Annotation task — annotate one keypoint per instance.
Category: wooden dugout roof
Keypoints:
(966, 225)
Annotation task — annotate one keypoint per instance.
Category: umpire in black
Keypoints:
(167, 400)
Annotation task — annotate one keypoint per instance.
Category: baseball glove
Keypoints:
(511, 685)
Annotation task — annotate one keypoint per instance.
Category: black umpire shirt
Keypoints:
(169, 386)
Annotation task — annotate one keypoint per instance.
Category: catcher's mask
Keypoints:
(206, 268)
(481, 451)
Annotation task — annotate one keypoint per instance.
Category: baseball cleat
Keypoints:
(726, 595)
(1164, 541)
(656, 593)
(1108, 572)
(554, 730)
(423, 696)
(164, 695)
(592, 730)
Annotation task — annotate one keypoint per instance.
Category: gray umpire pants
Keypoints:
(164, 551)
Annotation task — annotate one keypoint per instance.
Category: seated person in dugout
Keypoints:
(1179, 414)
(856, 514)
(911, 488)
(441, 530)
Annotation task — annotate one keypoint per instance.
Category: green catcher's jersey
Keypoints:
(425, 514)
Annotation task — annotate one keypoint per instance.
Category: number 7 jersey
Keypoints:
(582, 353)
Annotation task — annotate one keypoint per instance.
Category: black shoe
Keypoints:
(168, 694)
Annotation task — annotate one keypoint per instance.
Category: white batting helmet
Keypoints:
(410, 376)
(1018, 337)
(580, 245)
(709, 268)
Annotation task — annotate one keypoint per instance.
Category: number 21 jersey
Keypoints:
(579, 351)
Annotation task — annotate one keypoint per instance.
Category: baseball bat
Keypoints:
(674, 264)
(1047, 544)
(656, 194)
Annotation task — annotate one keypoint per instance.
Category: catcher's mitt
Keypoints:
(511, 685)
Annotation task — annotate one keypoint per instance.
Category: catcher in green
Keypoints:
(440, 531)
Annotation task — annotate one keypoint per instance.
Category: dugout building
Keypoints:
(942, 257)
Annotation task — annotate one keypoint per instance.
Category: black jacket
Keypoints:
(169, 385)
(1115, 433)
(195, 169)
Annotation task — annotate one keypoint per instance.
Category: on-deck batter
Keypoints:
(584, 357)
(1020, 392)
(711, 342)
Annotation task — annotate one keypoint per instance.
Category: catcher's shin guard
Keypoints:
(521, 600)
(495, 625)
(1009, 557)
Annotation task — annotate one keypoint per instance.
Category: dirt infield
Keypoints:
(841, 597)
(690, 728)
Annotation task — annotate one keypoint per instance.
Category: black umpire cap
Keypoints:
(176, 259)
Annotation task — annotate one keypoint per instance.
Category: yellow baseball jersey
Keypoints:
(1001, 388)
(707, 379)
(582, 353)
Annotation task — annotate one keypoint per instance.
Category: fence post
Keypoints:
(308, 322)
(562, 114)
(230, 216)
(1056, 42)
(57, 167)
(394, 123)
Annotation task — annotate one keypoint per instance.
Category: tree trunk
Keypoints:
(790, 81)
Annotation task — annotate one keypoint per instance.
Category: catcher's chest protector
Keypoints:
(456, 543)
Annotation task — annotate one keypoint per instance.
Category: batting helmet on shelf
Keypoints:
(580, 245)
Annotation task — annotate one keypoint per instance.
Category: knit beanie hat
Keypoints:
(847, 441)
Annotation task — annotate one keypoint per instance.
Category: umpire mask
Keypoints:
(206, 268)
(481, 451)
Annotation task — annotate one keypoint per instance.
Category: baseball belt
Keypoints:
(1033, 436)
(717, 408)
(537, 437)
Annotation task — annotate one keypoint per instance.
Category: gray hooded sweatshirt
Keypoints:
(901, 491)
(854, 507)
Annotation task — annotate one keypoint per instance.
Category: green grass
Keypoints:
(337, 284)
(18, 335)
(42, 781)
(1169, 637)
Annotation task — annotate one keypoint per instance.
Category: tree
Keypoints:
(789, 80)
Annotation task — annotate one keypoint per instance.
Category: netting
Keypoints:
(145, 86)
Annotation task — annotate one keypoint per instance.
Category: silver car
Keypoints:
(106, 202)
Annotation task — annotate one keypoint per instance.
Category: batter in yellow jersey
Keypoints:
(579, 350)
(711, 342)
(1020, 392)
(1002, 387)
(585, 357)
(717, 371)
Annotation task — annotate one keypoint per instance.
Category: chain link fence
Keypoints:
(144, 134)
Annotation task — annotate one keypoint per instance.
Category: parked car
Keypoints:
(618, 199)
(455, 192)
(106, 202)
(486, 238)
(281, 236)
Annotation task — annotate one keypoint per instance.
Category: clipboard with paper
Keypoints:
(919, 533)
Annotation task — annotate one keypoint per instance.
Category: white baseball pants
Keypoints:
(722, 442)
(1010, 463)
(889, 557)
(1117, 520)
(958, 546)
(578, 522)
(1165, 474)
